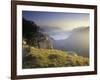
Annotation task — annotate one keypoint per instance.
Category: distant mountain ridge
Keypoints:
(78, 41)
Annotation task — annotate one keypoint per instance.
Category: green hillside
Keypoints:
(42, 58)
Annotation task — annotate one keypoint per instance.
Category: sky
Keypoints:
(57, 24)
(57, 20)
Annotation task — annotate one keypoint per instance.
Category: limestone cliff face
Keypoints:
(40, 41)
(45, 43)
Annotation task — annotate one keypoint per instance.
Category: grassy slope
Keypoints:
(40, 58)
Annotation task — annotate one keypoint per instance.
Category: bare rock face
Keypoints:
(45, 43)
(24, 52)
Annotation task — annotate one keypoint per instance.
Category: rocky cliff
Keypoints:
(33, 37)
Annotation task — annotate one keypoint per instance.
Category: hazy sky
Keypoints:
(62, 21)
